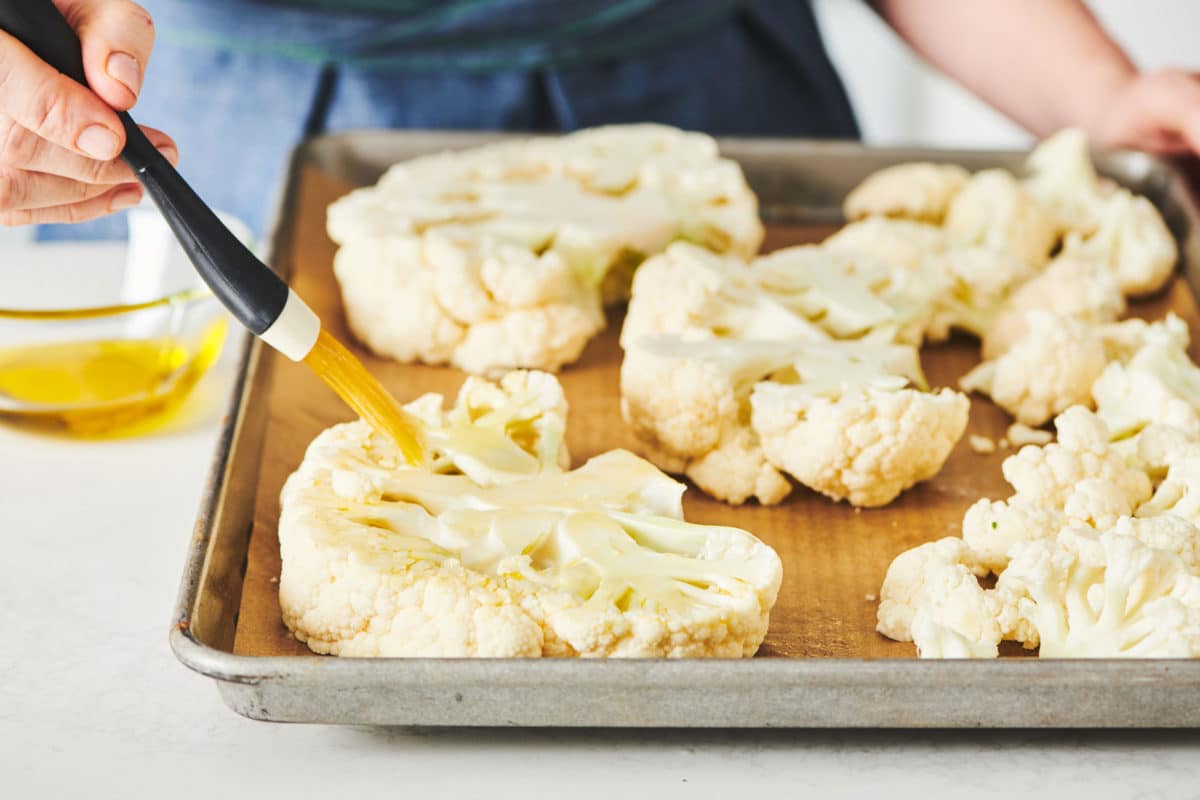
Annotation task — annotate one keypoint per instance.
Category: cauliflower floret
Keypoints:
(1159, 383)
(502, 256)
(1047, 476)
(849, 429)
(1179, 491)
(697, 295)
(994, 211)
(1068, 287)
(390, 304)
(688, 402)
(931, 596)
(979, 282)
(1049, 369)
(917, 190)
(902, 243)
(992, 529)
(1107, 595)
(1063, 179)
(1165, 531)
(1132, 241)
(383, 559)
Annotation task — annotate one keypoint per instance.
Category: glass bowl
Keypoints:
(99, 337)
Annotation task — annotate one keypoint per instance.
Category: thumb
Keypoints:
(117, 36)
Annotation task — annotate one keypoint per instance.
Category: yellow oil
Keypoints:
(96, 388)
(363, 392)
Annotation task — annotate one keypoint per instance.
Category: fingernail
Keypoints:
(99, 142)
(124, 68)
(126, 198)
(170, 154)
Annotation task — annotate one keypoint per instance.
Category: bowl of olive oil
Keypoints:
(103, 338)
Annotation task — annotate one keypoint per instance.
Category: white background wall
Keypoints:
(901, 100)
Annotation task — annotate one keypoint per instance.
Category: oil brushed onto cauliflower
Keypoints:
(495, 549)
(504, 256)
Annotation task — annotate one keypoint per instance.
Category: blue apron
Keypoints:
(239, 83)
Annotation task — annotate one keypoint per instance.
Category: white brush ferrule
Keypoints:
(295, 330)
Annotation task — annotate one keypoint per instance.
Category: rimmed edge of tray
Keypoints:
(831, 692)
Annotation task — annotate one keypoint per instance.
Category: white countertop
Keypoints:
(93, 703)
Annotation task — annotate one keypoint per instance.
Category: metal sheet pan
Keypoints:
(796, 181)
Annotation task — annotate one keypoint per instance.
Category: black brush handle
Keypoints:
(247, 287)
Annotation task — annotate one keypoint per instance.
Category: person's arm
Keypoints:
(1048, 64)
(59, 141)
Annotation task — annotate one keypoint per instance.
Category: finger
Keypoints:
(1174, 102)
(21, 190)
(23, 149)
(53, 106)
(115, 199)
(117, 36)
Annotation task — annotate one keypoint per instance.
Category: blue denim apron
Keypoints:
(238, 84)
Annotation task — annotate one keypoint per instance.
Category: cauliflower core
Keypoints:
(493, 550)
(504, 255)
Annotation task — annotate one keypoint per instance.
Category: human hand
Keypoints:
(59, 141)
(1155, 111)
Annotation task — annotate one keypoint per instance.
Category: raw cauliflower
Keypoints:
(918, 190)
(931, 596)
(1068, 287)
(993, 528)
(978, 282)
(1157, 383)
(903, 243)
(862, 442)
(1063, 179)
(1080, 479)
(690, 292)
(1101, 595)
(994, 211)
(508, 556)
(504, 255)
(703, 330)
(1048, 475)
(1049, 369)
(1133, 242)
(687, 402)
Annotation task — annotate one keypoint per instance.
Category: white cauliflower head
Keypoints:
(1158, 383)
(846, 426)
(1064, 180)
(1047, 476)
(1068, 287)
(692, 293)
(992, 529)
(902, 243)
(1101, 595)
(932, 596)
(1049, 369)
(1132, 241)
(917, 190)
(383, 559)
(994, 211)
(688, 402)
(979, 282)
(501, 256)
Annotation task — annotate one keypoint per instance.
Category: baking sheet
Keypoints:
(834, 556)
